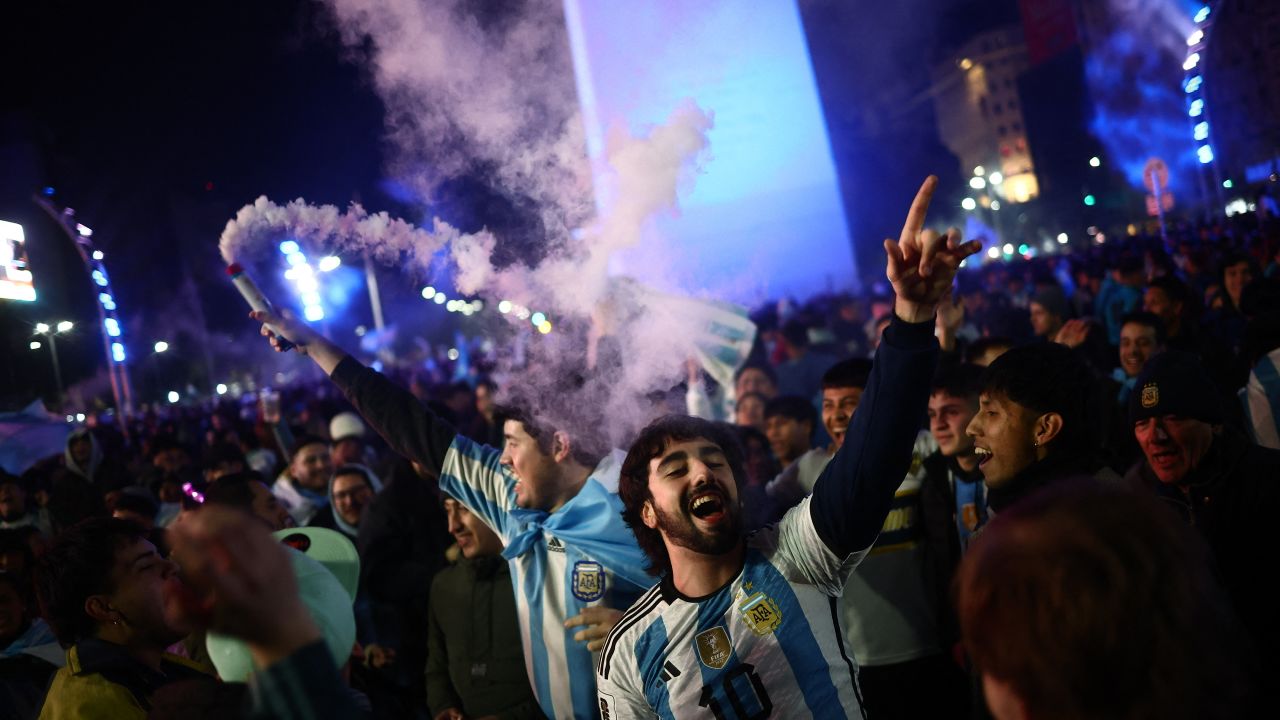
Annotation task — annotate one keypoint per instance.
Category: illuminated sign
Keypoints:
(15, 273)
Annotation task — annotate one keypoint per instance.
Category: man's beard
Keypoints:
(680, 530)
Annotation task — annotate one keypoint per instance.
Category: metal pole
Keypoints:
(57, 371)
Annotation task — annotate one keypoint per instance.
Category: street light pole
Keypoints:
(57, 370)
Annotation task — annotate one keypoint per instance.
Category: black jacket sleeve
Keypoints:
(406, 424)
(854, 493)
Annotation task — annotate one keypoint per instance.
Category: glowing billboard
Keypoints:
(15, 273)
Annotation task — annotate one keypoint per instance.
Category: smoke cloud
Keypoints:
(491, 94)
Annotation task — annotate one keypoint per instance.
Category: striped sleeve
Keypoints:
(473, 475)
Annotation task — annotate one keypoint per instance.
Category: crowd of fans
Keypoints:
(1109, 413)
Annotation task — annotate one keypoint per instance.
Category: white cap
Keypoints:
(345, 425)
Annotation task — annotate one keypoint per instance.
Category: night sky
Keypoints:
(156, 122)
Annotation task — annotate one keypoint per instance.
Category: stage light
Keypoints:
(99, 277)
(295, 258)
(1023, 249)
(544, 327)
(308, 285)
(1205, 153)
(35, 345)
(1195, 38)
(995, 204)
(42, 328)
(979, 171)
(289, 247)
(97, 255)
(1201, 130)
(1202, 14)
(968, 203)
(428, 292)
(311, 298)
(65, 326)
(977, 183)
(329, 263)
(117, 352)
(221, 389)
(537, 319)
(453, 354)
(993, 253)
(1062, 238)
(113, 327)
(440, 298)
(504, 306)
(173, 396)
(1227, 184)
(1192, 60)
(313, 313)
(1197, 107)
(477, 305)
(1193, 83)
(79, 417)
(996, 178)
(1095, 161)
(1008, 248)
(451, 306)
(84, 230)
(1090, 200)
(161, 346)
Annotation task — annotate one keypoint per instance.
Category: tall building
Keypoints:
(1240, 68)
(980, 116)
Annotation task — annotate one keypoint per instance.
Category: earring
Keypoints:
(1035, 443)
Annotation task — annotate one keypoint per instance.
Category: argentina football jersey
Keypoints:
(766, 645)
(580, 556)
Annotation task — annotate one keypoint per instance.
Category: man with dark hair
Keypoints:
(304, 483)
(1086, 602)
(744, 627)
(351, 489)
(546, 493)
(1037, 422)
(102, 587)
(1049, 310)
(249, 492)
(1169, 299)
(223, 459)
(29, 654)
(983, 351)
(1212, 476)
(1141, 337)
(788, 423)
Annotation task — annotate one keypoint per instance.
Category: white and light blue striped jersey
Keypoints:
(1261, 400)
(766, 645)
(580, 556)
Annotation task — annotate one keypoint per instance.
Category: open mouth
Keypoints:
(709, 507)
(982, 454)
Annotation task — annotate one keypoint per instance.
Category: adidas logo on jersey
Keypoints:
(669, 671)
(554, 545)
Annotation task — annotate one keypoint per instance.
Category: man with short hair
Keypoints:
(474, 664)
(744, 628)
(1212, 476)
(1049, 311)
(788, 424)
(1169, 299)
(102, 587)
(546, 493)
(351, 490)
(248, 492)
(303, 486)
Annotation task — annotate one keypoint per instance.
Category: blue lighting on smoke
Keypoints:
(1135, 78)
(289, 247)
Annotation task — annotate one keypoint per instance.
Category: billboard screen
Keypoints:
(15, 273)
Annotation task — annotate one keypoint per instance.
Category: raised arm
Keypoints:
(409, 428)
(855, 491)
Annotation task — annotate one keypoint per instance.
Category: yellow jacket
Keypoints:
(101, 681)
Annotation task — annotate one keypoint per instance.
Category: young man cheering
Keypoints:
(745, 628)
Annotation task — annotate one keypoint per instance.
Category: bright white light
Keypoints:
(477, 305)
(313, 313)
(440, 298)
(221, 389)
(291, 274)
(1202, 130)
(289, 247)
(113, 327)
(35, 345)
(97, 255)
(1205, 153)
(295, 258)
(537, 319)
(1100, 238)
(107, 301)
(1095, 161)
(977, 183)
(428, 292)
(42, 328)
(544, 327)
(996, 178)
(1192, 60)
(117, 352)
(979, 171)
(1008, 248)
(1202, 14)
(453, 353)
(65, 326)
(79, 417)
(995, 204)
(1193, 84)
(361, 330)
(311, 298)
(1197, 107)
(451, 305)
(99, 278)
(1195, 38)
(71, 418)
(504, 306)
(84, 230)
(173, 396)
(308, 285)
(329, 263)
(968, 203)
(161, 346)
(1062, 238)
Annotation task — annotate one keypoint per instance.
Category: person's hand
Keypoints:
(378, 656)
(950, 318)
(450, 714)
(922, 263)
(237, 580)
(1073, 333)
(693, 371)
(275, 324)
(599, 620)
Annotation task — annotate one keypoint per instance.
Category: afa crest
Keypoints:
(761, 614)
(713, 647)
(588, 580)
(1150, 395)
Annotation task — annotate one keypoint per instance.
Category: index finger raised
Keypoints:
(919, 209)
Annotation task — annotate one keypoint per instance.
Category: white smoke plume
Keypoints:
(467, 94)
